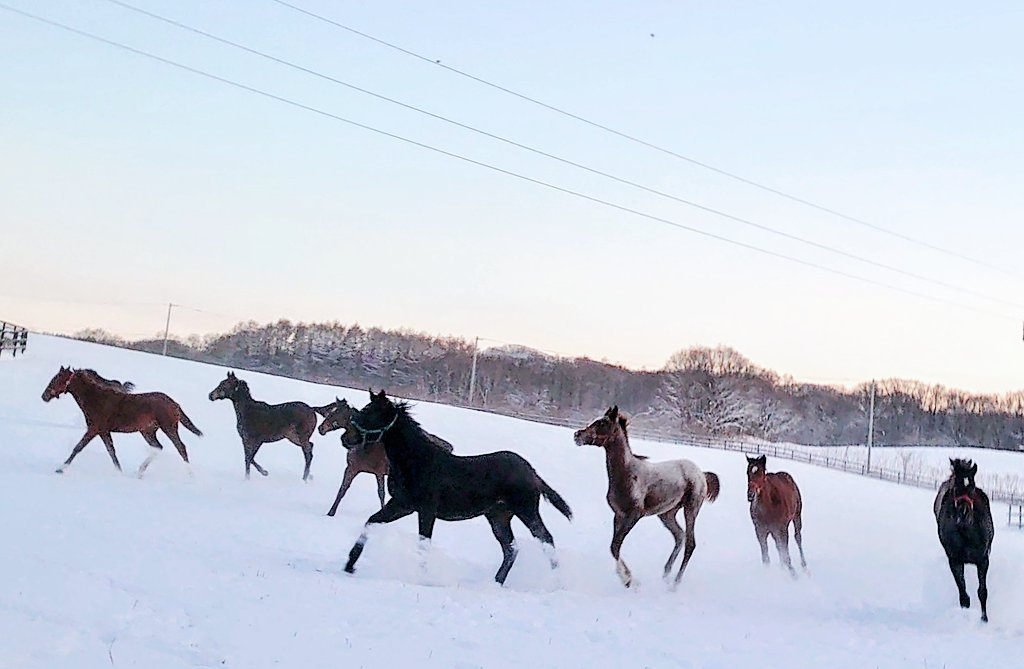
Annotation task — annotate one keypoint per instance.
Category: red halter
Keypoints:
(66, 384)
(966, 498)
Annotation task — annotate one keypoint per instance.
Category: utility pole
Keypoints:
(472, 371)
(167, 327)
(871, 425)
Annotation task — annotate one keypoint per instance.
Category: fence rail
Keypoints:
(788, 453)
(13, 339)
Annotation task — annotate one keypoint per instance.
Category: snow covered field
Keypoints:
(1003, 470)
(103, 570)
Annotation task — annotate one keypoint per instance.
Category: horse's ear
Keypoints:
(613, 412)
(974, 470)
(763, 459)
(231, 375)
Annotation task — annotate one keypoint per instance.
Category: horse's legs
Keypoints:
(155, 447)
(762, 538)
(392, 511)
(958, 575)
(538, 529)
(250, 450)
(668, 519)
(380, 489)
(307, 453)
(620, 528)
(781, 535)
(86, 438)
(501, 525)
(798, 526)
(983, 588)
(108, 441)
(172, 433)
(690, 516)
(346, 481)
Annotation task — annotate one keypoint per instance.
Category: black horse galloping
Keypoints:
(436, 484)
(966, 529)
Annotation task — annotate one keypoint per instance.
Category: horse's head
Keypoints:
(368, 425)
(963, 472)
(755, 476)
(337, 416)
(604, 430)
(228, 388)
(58, 384)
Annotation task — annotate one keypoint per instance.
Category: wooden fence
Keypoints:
(13, 339)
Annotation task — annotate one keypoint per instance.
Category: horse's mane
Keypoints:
(92, 376)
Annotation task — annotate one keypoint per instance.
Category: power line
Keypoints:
(690, 203)
(632, 138)
(500, 170)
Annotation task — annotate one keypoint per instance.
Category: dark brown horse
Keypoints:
(638, 488)
(108, 409)
(775, 502)
(370, 458)
(261, 423)
(966, 529)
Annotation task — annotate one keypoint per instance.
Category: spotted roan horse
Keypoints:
(260, 423)
(638, 488)
(108, 408)
(966, 530)
(775, 502)
(434, 484)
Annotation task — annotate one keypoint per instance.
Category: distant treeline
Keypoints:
(709, 391)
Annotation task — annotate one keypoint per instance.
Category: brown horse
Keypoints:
(370, 458)
(775, 502)
(639, 488)
(108, 409)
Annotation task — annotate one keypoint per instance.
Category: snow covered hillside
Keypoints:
(100, 569)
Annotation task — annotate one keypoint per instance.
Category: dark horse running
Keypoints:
(109, 408)
(966, 530)
(261, 423)
(371, 459)
(775, 502)
(435, 484)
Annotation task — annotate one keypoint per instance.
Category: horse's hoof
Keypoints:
(59, 470)
(349, 569)
(965, 602)
(984, 618)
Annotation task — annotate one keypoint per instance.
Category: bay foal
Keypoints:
(260, 423)
(639, 488)
(370, 458)
(775, 502)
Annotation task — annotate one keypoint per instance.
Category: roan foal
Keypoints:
(639, 488)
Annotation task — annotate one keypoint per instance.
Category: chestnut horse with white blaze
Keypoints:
(638, 487)
(775, 502)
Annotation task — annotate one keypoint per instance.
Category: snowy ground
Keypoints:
(100, 569)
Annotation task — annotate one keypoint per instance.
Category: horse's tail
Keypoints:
(713, 486)
(189, 425)
(555, 499)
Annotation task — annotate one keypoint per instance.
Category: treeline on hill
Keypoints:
(707, 391)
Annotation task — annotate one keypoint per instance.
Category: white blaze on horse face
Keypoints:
(753, 470)
(967, 482)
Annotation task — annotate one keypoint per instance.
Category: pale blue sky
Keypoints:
(126, 181)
